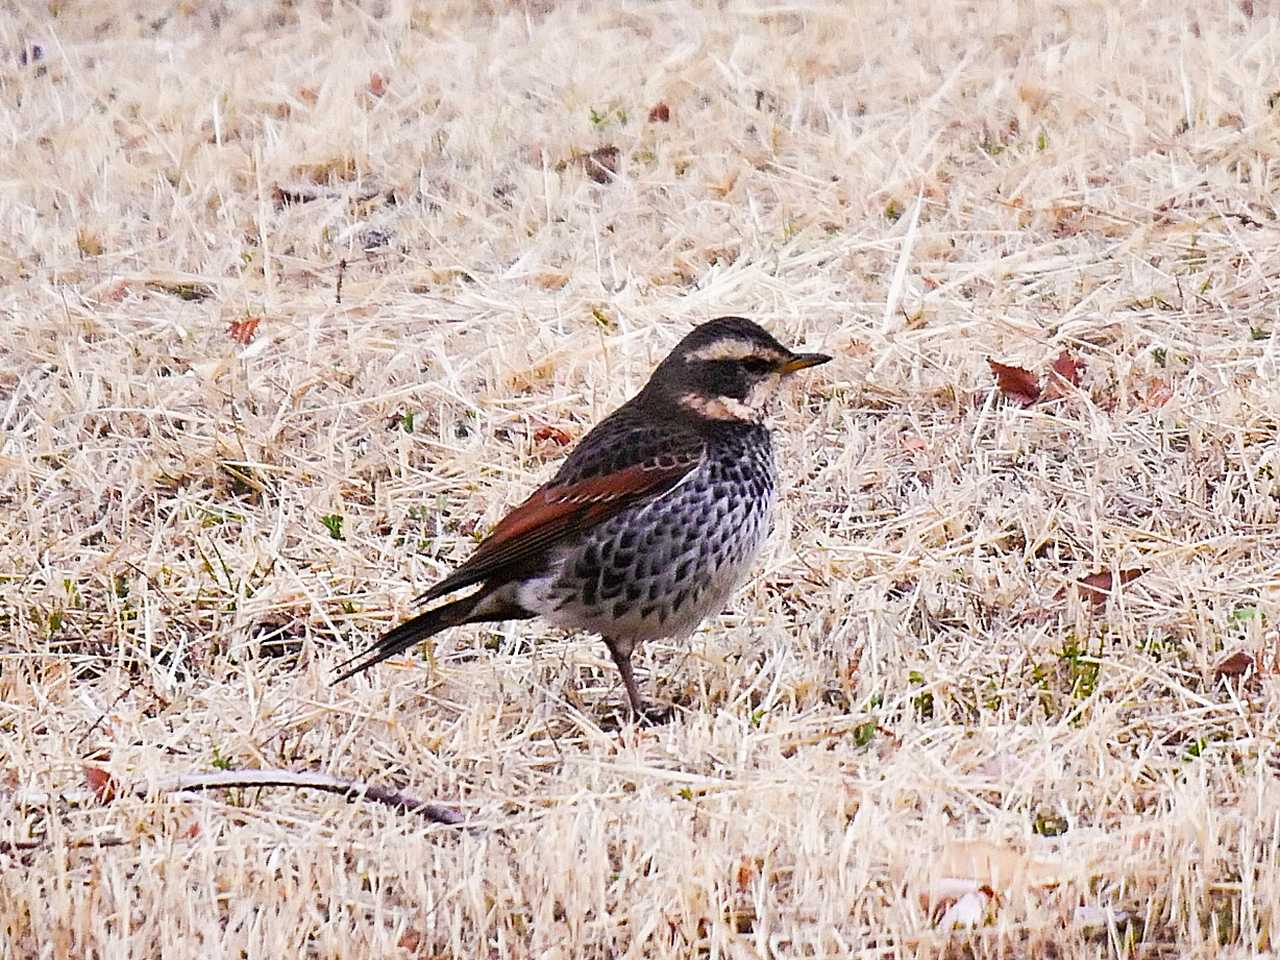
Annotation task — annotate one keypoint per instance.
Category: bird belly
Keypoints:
(659, 569)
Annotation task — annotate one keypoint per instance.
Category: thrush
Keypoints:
(652, 520)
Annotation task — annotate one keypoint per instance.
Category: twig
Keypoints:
(186, 783)
(103, 788)
(17, 846)
(352, 789)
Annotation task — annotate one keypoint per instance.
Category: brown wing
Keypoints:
(557, 509)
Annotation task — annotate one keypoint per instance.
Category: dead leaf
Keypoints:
(1066, 370)
(913, 444)
(243, 331)
(1067, 219)
(724, 186)
(102, 784)
(660, 113)
(1017, 384)
(411, 940)
(377, 84)
(88, 243)
(308, 96)
(1235, 665)
(547, 432)
(1096, 587)
(116, 291)
(1034, 97)
(551, 280)
(341, 168)
(601, 164)
(211, 370)
(1155, 393)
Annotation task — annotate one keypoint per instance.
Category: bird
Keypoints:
(651, 521)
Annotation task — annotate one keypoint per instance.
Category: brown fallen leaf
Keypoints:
(1069, 367)
(660, 113)
(747, 869)
(1235, 665)
(913, 444)
(1096, 587)
(102, 784)
(547, 432)
(243, 331)
(724, 186)
(1017, 384)
(340, 168)
(601, 164)
(411, 940)
(211, 370)
(88, 243)
(116, 291)
(1065, 372)
(377, 84)
(550, 280)
(1155, 393)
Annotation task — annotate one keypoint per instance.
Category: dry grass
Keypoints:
(915, 190)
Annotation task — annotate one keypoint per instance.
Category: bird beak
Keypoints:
(802, 361)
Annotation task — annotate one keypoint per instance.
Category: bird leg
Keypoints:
(621, 650)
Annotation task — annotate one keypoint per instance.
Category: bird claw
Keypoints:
(654, 715)
(648, 717)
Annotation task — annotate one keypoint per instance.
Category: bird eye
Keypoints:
(756, 365)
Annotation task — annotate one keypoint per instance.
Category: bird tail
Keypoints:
(413, 631)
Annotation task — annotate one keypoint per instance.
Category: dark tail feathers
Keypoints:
(410, 632)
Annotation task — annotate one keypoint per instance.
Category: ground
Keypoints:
(297, 298)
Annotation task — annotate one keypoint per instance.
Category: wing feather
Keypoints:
(558, 509)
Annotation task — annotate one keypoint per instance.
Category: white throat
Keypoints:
(751, 409)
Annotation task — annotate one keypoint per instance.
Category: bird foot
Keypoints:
(649, 716)
(654, 715)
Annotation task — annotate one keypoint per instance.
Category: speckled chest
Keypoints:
(660, 568)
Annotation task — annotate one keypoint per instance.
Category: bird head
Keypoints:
(728, 369)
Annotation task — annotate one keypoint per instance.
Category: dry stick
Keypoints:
(352, 789)
(17, 846)
(232, 779)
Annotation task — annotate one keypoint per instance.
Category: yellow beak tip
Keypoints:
(802, 361)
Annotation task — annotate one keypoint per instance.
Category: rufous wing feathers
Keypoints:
(555, 510)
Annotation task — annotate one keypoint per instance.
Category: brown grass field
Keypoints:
(296, 298)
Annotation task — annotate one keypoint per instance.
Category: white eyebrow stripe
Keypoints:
(731, 349)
